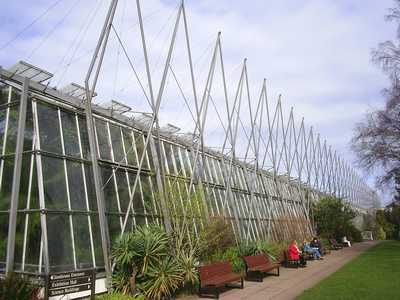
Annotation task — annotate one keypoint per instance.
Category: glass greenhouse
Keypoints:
(49, 215)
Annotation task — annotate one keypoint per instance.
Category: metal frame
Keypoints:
(264, 190)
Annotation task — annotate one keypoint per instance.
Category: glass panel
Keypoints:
(140, 220)
(4, 219)
(84, 137)
(28, 135)
(90, 188)
(83, 248)
(19, 240)
(6, 184)
(70, 134)
(147, 193)
(27, 160)
(4, 91)
(60, 244)
(76, 186)
(55, 192)
(186, 162)
(110, 196)
(15, 94)
(49, 129)
(114, 227)
(123, 191)
(98, 250)
(137, 199)
(33, 239)
(130, 151)
(139, 142)
(12, 129)
(178, 161)
(102, 138)
(168, 157)
(3, 119)
(116, 141)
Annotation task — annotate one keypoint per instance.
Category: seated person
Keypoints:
(313, 251)
(316, 244)
(295, 254)
(346, 241)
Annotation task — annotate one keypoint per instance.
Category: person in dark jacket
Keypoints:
(316, 244)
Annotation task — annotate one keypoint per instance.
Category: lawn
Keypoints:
(374, 274)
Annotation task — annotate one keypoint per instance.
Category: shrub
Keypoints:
(162, 264)
(135, 252)
(351, 232)
(247, 249)
(161, 279)
(16, 287)
(116, 296)
(232, 255)
(217, 236)
(333, 217)
(186, 253)
(276, 250)
(380, 233)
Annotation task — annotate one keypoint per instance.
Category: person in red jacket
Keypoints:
(296, 254)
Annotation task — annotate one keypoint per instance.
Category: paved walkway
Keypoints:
(292, 282)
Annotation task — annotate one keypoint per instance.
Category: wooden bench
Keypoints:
(257, 266)
(334, 244)
(289, 263)
(217, 275)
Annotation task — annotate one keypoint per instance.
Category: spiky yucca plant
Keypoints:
(162, 279)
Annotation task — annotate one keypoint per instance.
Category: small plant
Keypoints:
(162, 279)
(15, 287)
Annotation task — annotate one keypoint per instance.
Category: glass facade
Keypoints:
(58, 226)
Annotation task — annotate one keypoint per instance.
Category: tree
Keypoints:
(333, 218)
(376, 141)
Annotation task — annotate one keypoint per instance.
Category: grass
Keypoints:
(375, 274)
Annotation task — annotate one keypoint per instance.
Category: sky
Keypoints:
(315, 53)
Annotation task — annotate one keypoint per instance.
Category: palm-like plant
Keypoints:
(162, 278)
(123, 252)
(149, 246)
(121, 281)
(16, 287)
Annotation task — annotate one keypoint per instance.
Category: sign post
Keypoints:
(60, 284)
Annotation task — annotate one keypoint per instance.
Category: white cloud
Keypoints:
(316, 53)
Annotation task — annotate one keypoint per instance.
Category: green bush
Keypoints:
(247, 249)
(354, 234)
(161, 264)
(161, 279)
(144, 253)
(115, 296)
(276, 250)
(15, 287)
(380, 234)
(232, 255)
(217, 236)
(333, 218)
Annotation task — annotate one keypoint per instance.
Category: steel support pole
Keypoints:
(155, 149)
(155, 115)
(98, 182)
(16, 177)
